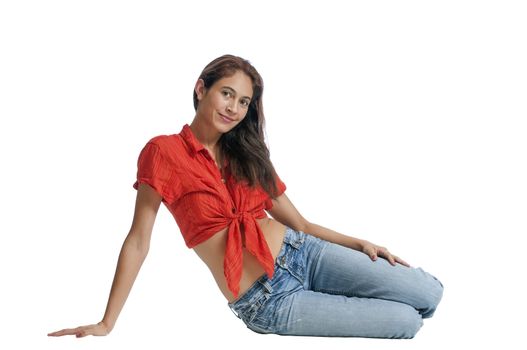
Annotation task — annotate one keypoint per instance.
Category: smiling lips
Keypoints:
(226, 119)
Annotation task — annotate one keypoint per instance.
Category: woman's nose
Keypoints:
(231, 107)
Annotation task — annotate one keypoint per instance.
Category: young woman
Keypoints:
(282, 275)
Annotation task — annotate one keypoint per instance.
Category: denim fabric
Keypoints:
(324, 289)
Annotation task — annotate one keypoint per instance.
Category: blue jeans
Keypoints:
(321, 288)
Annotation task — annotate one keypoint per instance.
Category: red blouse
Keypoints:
(183, 172)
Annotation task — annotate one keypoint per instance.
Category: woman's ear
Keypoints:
(200, 88)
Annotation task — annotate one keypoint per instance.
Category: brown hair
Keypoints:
(244, 145)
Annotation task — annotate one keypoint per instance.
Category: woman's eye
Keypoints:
(226, 93)
(245, 103)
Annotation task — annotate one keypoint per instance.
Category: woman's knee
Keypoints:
(433, 294)
(409, 323)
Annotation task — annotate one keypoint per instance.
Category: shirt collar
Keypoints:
(190, 139)
(193, 143)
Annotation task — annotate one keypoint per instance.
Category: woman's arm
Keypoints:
(333, 236)
(130, 261)
(133, 253)
(285, 212)
(362, 245)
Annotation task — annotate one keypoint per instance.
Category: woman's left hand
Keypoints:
(373, 251)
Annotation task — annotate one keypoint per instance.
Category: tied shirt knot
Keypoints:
(254, 242)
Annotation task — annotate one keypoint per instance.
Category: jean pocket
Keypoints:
(296, 239)
(293, 260)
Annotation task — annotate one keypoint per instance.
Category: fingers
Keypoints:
(374, 251)
(401, 261)
(388, 256)
(373, 256)
(382, 251)
(66, 331)
(370, 251)
(392, 259)
(79, 332)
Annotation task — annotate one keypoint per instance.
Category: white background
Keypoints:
(401, 122)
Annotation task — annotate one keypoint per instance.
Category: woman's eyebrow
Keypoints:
(234, 91)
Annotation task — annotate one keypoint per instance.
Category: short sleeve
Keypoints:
(153, 169)
(281, 189)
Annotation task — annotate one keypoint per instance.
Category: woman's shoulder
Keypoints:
(169, 145)
(159, 139)
(165, 142)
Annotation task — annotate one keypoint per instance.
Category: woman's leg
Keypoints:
(342, 270)
(323, 289)
(310, 313)
(341, 292)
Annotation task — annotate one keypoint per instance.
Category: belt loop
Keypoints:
(267, 286)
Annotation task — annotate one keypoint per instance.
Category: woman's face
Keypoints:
(226, 102)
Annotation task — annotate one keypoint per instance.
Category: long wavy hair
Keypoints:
(244, 145)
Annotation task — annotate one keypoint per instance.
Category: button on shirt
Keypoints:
(183, 172)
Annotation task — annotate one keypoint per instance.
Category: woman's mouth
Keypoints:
(226, 119)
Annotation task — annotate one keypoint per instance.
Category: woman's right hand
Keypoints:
(97, 329)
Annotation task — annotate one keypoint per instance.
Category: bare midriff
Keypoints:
(212, 252)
